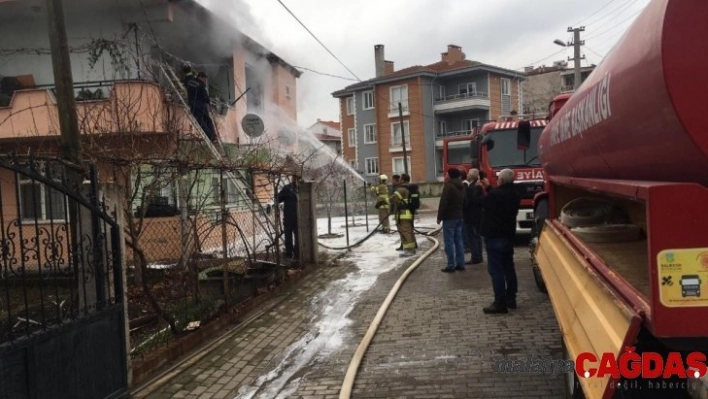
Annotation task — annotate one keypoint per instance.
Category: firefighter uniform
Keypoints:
(404, 218)
(382, 203)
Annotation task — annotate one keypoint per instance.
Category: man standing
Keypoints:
(450, 214)
(382, 203)
(198, 101)
(474, 193)
(501, 206)
(288, 197)
(404, 217)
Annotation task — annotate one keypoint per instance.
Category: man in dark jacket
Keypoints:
(501, 206)
(288, 197)
(198, 101)
(450, 214)
(472, 215)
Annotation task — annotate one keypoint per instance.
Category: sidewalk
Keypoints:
(434, 342)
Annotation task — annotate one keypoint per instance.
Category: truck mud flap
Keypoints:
(590, 316)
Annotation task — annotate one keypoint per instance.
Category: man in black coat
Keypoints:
(472, 216)
(501, 206)
(288, 197)
(198, 101)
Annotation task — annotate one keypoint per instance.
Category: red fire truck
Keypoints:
(495, 147)
(623, 245)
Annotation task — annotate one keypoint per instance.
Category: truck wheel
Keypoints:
(573, 389)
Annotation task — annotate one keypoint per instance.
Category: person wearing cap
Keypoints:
(198, 101)
(382, 203)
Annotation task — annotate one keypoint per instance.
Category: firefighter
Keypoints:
(382, 203)
(404, 217)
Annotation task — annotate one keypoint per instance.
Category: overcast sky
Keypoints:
(506, 33)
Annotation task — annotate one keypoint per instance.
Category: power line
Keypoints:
(619, 24)
(325, 74)
(595, 52)
(617, 14)
(318, 40)
(613, 12)
(588, 17)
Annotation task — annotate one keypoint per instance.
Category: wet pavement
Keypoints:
(434, 342)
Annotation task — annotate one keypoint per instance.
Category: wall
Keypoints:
(539, 90)
(429, 126)
(365, 117)
(347, 123)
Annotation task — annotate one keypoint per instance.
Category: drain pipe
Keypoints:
(348, 384)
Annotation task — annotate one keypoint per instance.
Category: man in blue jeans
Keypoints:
(501, 206)
(450, 214)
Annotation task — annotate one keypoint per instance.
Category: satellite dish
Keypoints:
(252, 125)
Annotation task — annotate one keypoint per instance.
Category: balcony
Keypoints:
(567, 89)
(440, 136)
(462, 102)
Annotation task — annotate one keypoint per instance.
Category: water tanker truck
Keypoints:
(623, 221)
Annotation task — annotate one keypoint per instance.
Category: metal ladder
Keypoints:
(218, 153)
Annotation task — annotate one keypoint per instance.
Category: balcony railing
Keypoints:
(441, 135)
(474, 94)
(567, 89)
(465, 101)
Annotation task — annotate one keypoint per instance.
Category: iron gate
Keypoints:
(62, 321)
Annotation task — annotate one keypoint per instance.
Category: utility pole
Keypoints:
(576, 54)
(403, 139)
(61, 64)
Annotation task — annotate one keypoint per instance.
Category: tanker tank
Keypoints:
(643, 112)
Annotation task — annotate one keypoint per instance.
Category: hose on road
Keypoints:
(348, 383)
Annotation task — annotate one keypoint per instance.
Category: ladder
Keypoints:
(217, 150)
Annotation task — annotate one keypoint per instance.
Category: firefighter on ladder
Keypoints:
(400, 201)
(382, 203)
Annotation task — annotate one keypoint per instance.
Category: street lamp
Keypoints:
(560, 43)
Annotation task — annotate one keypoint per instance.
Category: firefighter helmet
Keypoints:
(383, 177)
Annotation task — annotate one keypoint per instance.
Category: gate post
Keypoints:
(115, 196)
(307, 224)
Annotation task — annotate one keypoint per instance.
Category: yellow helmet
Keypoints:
(383, 177)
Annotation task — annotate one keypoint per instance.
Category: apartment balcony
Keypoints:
(103, 108)
(567, 89)
(462, 102)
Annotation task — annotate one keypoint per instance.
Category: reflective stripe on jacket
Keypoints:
(401, 199)
(381, 192)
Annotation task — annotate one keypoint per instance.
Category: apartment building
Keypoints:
(443, 99)
(543, 83)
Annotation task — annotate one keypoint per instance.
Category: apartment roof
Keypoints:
(431, 70)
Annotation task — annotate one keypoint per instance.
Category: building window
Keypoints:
(443, 128)
(505, 87)
(398, 165)
(368, 99)
(441, 92)
(396, 139)
(370, 134)
(399, 94)
(372, 166)
(467, 89)
(40, 202)
(287, 91)
(350, 105)
(469, 124)
(351, 137)
(353, 164)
